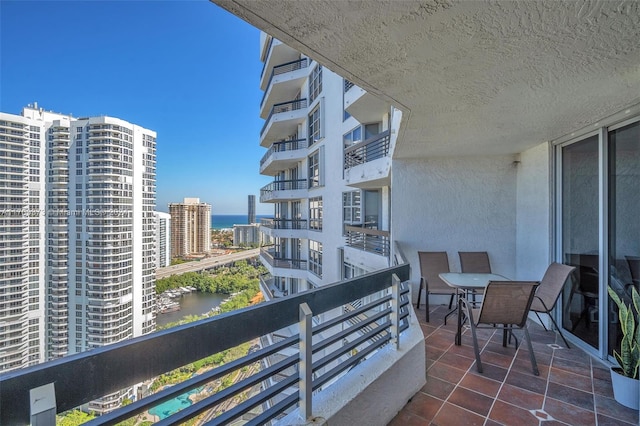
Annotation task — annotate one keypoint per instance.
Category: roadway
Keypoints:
(207, 263)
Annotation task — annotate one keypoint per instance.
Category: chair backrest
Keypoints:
(433, 263)
(634, 267)
(507, 302)
(475, 262)
(553, 282)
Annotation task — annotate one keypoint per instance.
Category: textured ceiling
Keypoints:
(475, 77)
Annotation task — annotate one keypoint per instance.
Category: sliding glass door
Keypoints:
(580, 238)
(599, 224)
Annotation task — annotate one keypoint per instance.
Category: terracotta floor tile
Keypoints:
(457, 361)
(572, 366)
(508, 414)
(500, 360)
(405, 418)
(481, 384)
(568, 413)
(438, 388)
(576, 381)
(571, 396)
(603, 387)
(490, 372)
(445, 372)
(611, 408)
(527, 381)
(453, 415)
(608, 421)
(471, 400)
(520, 397)
(423, 406)
(572, 386)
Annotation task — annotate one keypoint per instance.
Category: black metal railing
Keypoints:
(284, 107)
(369, 240)
(285, 223)
(278, 260)
(80, 378)
(266, 192)
(371, 149)
(283, 69)
(347, 85)
(284, 146)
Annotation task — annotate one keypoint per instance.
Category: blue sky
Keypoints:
(187, 69)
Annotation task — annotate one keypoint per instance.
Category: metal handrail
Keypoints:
(284, 107)
(282, 69)
(283, 146)
(371, 149)
(284, 185)
(370, 240)
(81, 378)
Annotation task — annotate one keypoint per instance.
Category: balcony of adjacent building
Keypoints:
(284, 83)
(362, 105)
(283, 155)
(274, 53)
(283, 120)
(284, 190)
(367, 163)
(284, 228)
(280, 264)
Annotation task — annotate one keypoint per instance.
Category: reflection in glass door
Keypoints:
(624, 219)
(580, 238)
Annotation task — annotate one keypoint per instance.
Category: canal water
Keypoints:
(195, 303)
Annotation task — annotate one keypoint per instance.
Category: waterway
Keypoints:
(195, 303)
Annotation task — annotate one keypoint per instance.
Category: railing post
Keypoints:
(305, 368)
(395, 310)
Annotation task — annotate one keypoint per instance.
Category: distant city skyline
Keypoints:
(176, 73)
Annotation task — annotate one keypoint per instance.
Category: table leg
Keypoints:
(458, 339)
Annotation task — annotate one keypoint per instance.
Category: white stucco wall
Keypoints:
(533, 213)
(456, 204)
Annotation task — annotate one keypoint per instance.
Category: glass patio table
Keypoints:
(467, 282)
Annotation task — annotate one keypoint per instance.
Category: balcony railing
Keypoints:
(284, 223)
(281, 185)
(283, 69)
(347, 85)
(284, 146)
(80, 378)
(369, 240)
(371, 149)
(276, 260)
(284, 107)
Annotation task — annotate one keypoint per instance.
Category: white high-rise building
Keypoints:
(22, 228)
(163, 238)
(82, 261)
(329, 155)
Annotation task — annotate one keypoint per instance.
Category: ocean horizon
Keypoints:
(222, 221)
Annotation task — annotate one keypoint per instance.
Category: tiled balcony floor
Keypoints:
(572, 389)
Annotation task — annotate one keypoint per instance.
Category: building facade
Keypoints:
(88, 186)
(251, 209)
(330, 161)
(163, 238)
(246, 235)
(190, 227)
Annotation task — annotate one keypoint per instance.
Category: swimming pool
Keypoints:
(174, 405)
